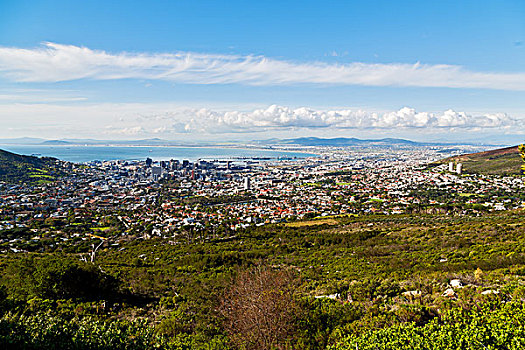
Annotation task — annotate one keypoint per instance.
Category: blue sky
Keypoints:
(425, 70)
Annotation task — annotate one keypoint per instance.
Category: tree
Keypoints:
(260, 310)
(59, 278)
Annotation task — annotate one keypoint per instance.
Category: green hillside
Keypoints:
(368, 282)
(503, 161)
(16, 168)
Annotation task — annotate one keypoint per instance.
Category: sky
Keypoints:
(249, 70)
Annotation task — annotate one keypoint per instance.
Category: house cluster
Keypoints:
(169, 197)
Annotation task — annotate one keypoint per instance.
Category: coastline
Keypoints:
(61, 152)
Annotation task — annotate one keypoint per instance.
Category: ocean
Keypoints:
(81, 154)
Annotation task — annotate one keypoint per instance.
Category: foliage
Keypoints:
(16, 168)
(492, 326)
(352, 279)
(58, 278)
(44, 331)
(522, 153)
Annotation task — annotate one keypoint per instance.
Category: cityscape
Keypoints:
(262, 175)
(168, 198)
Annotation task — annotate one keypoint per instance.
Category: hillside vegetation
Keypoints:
(503, 161)
(15, 168)
(367, 282)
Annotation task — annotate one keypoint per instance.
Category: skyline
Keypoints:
(243, 71)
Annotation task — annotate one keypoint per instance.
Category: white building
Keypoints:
(247, 183)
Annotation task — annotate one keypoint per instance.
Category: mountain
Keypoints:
(56, 142)
(343, 141)
(15, 168)
(67, 142)
(502, 161)
(301, 141)
(22, 141)
(143, 142)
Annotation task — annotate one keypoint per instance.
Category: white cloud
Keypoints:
(284, 117)
(55, 62)
(138, 120)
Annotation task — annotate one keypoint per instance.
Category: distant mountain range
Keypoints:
(65, 142)
(22, 141)
(301, 141)
(56, 142)
(343, 141)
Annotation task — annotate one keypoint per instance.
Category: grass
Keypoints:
(504, 161)
(315, 184)
(41, 176)
(101, 228)
(314, 222)
(508, 164)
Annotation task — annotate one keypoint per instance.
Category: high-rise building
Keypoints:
(459, 168)
(247, 183)
(156, 173)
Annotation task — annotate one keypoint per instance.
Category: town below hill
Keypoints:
(354, 248)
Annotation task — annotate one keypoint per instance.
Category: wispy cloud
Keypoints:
(17, 98)
(55, 62)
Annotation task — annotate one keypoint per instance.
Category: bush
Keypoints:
(493, 326)
(260, 310)
(42, 331)
(59, 278)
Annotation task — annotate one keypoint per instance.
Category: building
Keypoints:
(459, 168)
(156, 173)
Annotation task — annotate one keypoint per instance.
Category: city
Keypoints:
(121, 200)
(262, 175)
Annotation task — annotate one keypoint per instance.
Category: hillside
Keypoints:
(503, 161)
(357, 282)
(16, 168)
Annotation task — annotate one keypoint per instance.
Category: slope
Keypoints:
(16, 168)
(502, 161)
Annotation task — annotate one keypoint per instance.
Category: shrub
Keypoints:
(259, 309)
